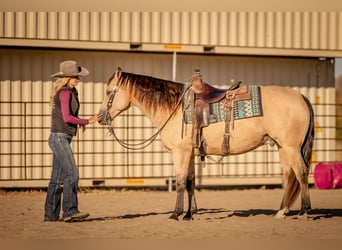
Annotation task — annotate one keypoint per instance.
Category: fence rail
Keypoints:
(25, 155)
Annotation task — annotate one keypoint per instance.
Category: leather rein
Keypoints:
(145, 143)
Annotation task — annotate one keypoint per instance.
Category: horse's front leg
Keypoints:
(181, 159)
(180, 187)
(190, 187)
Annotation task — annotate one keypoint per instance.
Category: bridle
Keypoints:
(145, 143)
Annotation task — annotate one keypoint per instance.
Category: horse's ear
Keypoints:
(118, 72)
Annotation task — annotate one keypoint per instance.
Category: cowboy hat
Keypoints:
(70, 69)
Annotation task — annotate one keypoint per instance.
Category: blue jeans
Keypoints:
(64, 179)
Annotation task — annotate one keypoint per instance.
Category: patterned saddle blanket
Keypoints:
(248, 108)
(241, 109)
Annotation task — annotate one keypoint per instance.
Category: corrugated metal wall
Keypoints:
(202, 40)
(25, 87)
(295, 33)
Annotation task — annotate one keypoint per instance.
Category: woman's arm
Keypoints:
(64, 98)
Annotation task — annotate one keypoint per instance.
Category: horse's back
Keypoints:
(285, 118)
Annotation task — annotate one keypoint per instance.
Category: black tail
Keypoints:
(308, 141)
(293, 188)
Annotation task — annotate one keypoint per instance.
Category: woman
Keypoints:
(64, 122)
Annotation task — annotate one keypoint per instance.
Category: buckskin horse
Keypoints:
(286, 121)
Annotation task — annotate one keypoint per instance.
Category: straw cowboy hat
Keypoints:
(70, 69)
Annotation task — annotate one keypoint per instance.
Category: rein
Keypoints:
(145, 143)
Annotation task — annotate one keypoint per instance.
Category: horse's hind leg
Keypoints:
(190, 187)
(302, 174)
(295, 180)
(290, 186)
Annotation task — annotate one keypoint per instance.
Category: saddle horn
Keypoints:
(197, 83)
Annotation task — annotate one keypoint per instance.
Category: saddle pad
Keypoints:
(241, 109)
(216, 113)
(249, 108)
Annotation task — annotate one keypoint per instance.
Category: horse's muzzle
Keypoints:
(106, 119)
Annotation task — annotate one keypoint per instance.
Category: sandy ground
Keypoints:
(223, 214)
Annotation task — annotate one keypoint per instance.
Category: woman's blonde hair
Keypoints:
(59, 83)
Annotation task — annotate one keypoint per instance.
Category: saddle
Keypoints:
(201, 96)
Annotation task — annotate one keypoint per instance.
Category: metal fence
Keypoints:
(26, 158)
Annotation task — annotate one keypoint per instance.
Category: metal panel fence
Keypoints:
(25, 155)
(25, 86)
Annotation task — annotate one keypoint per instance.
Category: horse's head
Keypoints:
(117, 98)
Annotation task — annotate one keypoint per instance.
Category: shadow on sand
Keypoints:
(314, 214)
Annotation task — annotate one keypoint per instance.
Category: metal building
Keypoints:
(295, 49)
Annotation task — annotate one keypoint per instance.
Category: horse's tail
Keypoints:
(307, 145)
(293, 187)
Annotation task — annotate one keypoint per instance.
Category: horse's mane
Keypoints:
(152, 92)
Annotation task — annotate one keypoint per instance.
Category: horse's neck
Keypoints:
(155, 112)
(158, 117)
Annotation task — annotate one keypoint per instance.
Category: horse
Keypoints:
(287, 121)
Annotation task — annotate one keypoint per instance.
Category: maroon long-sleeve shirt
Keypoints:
(64, 98)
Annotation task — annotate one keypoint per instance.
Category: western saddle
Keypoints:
(199, 98)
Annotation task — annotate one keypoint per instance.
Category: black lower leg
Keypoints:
(192, 208)
(179, 202)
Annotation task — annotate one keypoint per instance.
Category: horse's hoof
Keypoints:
(173, 217)
(188, 217)
(280, 215)
(302, 216)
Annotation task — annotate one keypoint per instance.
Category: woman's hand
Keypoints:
(91, 120)
(95, 118)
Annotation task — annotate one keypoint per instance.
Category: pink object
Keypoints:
(328, 175)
